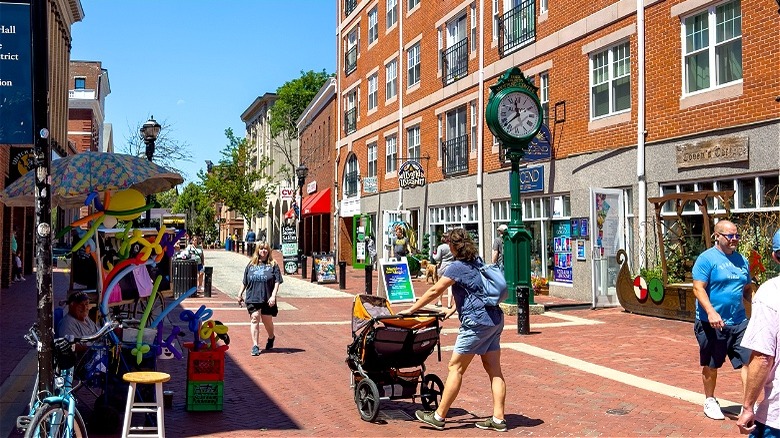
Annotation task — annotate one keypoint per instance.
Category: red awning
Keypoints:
(317, 204)
(290, 214)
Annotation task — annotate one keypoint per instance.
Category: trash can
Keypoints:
(185, 276)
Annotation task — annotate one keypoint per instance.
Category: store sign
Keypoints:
(411, 175)
(286, 194)
(540, 147)
(369, 184)
(311, 187)
(20, 162)
(532, 179)
(16, 101)
(714, 151)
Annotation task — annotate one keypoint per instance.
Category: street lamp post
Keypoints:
(302, 172)
(150, 130)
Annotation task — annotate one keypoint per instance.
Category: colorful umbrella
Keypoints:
(76, 176)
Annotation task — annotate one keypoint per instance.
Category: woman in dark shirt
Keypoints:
(262, 278)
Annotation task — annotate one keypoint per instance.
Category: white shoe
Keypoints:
(712, 409)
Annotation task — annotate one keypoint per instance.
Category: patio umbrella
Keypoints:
(76, 176)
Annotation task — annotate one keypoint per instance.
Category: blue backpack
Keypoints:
(494, 288)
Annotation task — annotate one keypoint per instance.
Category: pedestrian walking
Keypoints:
(196, 252)
(443, 258)
(262, 278)
(250, 241)
(763, 337)
(721, 278)
(498, 247)
(479, 333)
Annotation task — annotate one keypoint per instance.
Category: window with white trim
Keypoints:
(373, 25)
(610, 78)
(473, 27)
(544, 96)
(391, 78)
(543, 6)
(371, 171)
(413, 143)
(712, 47)
(473, 110)
(412, 4)
(392, 13)
(496, 19)
(413, 65)
(391, 154)
(373, 86)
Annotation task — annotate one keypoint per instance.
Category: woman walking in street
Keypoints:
(479, 333)
(262, 278)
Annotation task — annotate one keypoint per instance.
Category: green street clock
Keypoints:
(514, 113)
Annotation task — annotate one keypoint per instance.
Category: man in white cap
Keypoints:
(498, 247)
(763, 337)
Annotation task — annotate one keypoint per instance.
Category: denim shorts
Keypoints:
(715, 345)
(479, 339)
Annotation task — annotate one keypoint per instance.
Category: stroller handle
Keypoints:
(437, 315)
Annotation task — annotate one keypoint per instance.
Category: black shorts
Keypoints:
(715, 345)
(264, 309)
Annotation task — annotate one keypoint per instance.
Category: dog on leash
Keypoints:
(431, 273)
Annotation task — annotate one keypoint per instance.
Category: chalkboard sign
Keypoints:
(397, 281)
(326, 267)
(290, 249)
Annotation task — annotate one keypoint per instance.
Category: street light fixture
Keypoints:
(302, 172)
(150, 131)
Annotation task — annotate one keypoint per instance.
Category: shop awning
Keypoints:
(290, 214)
(317, 204)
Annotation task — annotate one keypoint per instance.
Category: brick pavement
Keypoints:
(580, 373)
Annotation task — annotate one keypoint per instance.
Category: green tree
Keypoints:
(199, 208)
(292, 99)
(167, 199)
(237, 181)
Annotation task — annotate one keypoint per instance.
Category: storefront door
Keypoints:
(607, 219)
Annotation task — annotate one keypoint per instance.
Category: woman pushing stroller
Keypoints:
(479, 334)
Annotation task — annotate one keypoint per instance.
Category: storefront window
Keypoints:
(453, 216)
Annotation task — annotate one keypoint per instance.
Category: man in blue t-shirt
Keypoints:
(250, 242)
(721, 279)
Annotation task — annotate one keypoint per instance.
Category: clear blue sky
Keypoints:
(198, 64)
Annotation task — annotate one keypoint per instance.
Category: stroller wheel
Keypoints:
(430, 392)
(367, 399)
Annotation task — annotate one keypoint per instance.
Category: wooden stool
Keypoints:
(144, 378)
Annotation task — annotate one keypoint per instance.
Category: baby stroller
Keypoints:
(387, 355)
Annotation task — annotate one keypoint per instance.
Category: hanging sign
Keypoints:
(540, 147)
(411, 175)
(397, 281)
(369, 184)
(16, 102)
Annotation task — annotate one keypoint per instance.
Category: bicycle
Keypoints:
(54, 414)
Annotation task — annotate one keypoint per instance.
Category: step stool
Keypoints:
(156, 407)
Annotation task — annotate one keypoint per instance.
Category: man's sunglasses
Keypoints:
(731, 236)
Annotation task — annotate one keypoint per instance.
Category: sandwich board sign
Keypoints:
(397, 280)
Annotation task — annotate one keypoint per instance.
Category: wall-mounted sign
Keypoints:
(369, 184)
(531, 179)
(714, 151)
(411, 175)
(540, 147)
(16, 102)
(20, 162)
(286, 194)
(311, 187)
(580, 250)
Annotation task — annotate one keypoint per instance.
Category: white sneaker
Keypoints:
(712, 409)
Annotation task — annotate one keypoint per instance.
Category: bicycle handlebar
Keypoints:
(107, 327)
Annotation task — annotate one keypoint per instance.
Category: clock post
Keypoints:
(514, 115)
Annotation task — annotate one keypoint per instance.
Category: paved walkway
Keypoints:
(581, 372)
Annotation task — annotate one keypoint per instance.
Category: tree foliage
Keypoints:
(168, 151)
(167, 199)
(199, 208)
(236, 182)
(292, 99)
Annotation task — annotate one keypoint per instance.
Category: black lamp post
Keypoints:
(150, 130)
(302, 172)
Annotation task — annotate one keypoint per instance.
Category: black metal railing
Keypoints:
(517, 28)
(350, 60)
(456, 155)
(351, 184)
(350, 121)
(349, 6)
(455, 62)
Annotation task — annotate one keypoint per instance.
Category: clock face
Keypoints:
(518, 115)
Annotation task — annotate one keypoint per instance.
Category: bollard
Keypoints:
(208, 271)
(342, 275)
(313, 277)
(523, 310)
(369, 279)
(303, 266)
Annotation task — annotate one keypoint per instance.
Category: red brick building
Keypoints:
(676, 96)
(89, 87)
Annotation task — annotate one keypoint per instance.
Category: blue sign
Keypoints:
(531, 179)
(540, 147)
(16, 101)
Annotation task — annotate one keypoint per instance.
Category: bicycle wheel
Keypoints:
(157, 307)
(51, 421)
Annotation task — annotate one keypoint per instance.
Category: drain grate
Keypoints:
(617, 412)
(394, 414)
